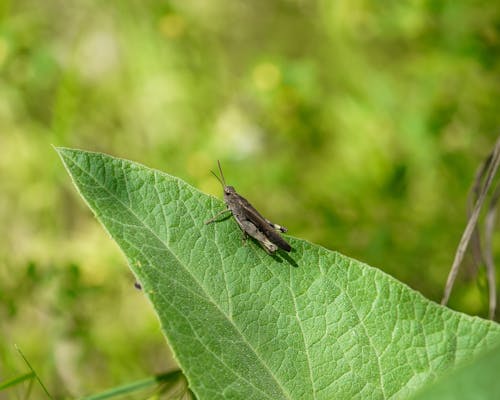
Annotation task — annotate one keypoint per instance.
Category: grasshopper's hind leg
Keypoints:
(251, 230)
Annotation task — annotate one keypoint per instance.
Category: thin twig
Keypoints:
(471, 224)
(489, 225)
(475, 190)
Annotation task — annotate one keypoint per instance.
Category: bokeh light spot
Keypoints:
(172, 26)
(266, 76)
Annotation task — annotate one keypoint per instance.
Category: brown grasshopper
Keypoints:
(249, 219)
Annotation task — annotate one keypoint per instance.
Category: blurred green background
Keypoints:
(357, 124)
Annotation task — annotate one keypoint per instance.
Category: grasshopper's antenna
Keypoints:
(221, 174)
(222, 181)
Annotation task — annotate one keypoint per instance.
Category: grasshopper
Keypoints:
(249, 219)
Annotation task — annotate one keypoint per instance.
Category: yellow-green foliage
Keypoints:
(356, 124)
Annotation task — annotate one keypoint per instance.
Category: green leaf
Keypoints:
(475, 381)
(168, 379)
(313, 324)
(16, 380)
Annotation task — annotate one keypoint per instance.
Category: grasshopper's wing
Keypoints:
(261, 223)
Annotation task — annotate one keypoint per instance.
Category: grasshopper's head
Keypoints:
(229, 191)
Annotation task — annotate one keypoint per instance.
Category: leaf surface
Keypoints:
(312, 324)
(477, 380)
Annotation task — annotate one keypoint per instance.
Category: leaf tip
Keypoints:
(62, 150)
